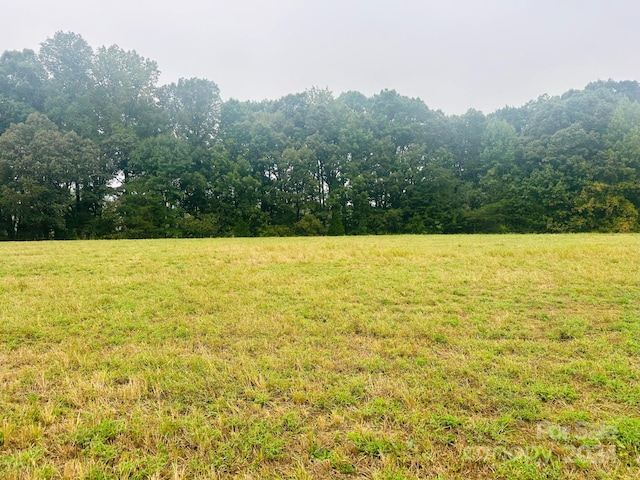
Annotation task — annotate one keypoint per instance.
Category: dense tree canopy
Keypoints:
(92, 147)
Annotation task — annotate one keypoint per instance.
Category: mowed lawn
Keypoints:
(365, 357)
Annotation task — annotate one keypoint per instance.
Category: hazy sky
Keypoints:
(454, 54)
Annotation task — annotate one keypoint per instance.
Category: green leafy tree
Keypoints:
(151, 201)
(124, 92)
(23, 78)
(193, 106)
(53, 183)
(68, 61)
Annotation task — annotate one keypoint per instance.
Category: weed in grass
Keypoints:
(141, 467)
(343, 466)
(554, 393)
(526, 468)
(485, 431)
(104, 432)
(319, 453)
(627, 438)
(569, 329)
(367, 443)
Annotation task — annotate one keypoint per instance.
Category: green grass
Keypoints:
(379, 357)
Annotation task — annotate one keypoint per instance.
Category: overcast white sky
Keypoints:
(454, 54)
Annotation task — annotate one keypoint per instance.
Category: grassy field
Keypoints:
(366, 357)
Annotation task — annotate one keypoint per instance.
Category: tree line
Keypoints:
(92, 147)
